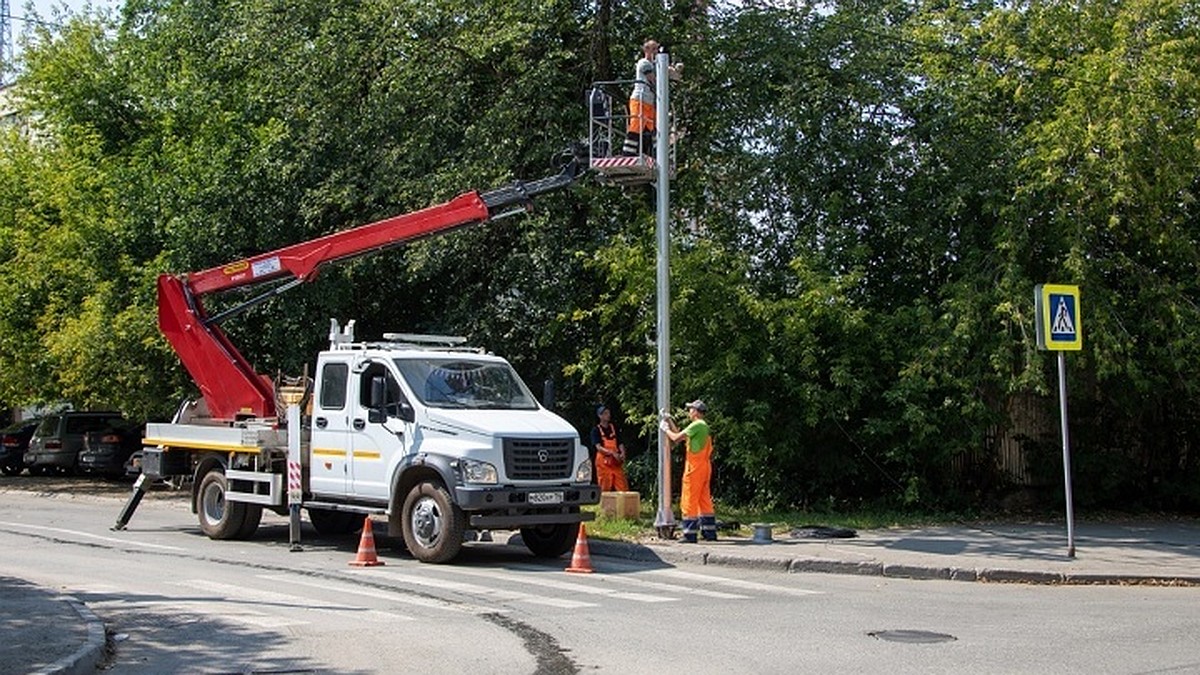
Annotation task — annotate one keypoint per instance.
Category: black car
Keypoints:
(106, 452)
(13, 442)
(58, 439)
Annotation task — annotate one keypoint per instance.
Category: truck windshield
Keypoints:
(455, 382)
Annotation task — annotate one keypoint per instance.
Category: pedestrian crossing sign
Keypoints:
(1059, 327)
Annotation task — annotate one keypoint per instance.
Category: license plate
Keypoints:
(545, 497)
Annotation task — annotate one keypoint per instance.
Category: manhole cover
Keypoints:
(911, 636)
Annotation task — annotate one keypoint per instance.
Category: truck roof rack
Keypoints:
(414, 341)
(423, 339)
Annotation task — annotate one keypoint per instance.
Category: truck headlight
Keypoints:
(584, 473)
(474, 471)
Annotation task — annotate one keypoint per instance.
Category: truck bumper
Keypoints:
(510, 507)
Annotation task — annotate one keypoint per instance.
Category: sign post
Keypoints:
(1060, 329)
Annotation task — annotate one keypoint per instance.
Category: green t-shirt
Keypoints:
(697, 435)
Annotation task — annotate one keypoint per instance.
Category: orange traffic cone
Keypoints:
(366, 547)
(581, 561)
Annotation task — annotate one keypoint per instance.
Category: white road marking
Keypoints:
(429, 603)
(180, 611)
(482, 591)
(735, 583)
(89, 535)
(653, 585)
(243, 594)
(573, 587)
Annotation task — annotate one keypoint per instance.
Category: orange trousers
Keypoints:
(610, 477)
(641, 116)
(696, 498)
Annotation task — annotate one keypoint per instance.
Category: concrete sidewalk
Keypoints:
(1163, 553)
(46, 632)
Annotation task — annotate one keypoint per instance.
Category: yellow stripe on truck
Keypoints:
(366, 454)
(328, 452)
(168, 443)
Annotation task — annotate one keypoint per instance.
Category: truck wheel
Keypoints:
(549, 541)
(219, 518)
(250, 524)
(433, 525)
(333, 523)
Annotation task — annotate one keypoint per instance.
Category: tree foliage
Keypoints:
(867, 192)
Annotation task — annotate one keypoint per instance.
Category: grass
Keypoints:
(783, 521)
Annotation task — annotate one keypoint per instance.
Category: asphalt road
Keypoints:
(174, 601)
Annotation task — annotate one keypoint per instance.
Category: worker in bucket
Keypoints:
(610, 453)
(696, 501)
(639, 136)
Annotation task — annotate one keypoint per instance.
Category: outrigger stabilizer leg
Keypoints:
(135, 498)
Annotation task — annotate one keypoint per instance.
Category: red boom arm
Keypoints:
(229, 384)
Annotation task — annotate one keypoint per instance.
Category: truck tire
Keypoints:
(219, 518)
(433, 524)
(549, 541)
(334, 523)
(250, 524)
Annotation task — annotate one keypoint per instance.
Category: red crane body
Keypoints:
(229, 384)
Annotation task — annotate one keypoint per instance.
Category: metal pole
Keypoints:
(295, 474)
(1066, 448)
(665, 521)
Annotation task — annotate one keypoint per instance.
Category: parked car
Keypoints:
(106, 452)
(58, 439)
(13, 442)
(133, 465)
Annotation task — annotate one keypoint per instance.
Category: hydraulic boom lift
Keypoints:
(229, 384)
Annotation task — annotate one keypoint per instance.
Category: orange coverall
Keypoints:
(696, 502)
(610, 472)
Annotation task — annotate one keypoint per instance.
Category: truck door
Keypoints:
(379, 436)
(329, 465)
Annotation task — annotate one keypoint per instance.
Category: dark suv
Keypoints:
(13, 442)
(106, 452)
(58, 439)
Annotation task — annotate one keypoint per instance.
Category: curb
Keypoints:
(87, 657)
(668, 555)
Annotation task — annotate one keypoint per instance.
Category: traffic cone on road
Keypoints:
(366, 547)
(581, 561)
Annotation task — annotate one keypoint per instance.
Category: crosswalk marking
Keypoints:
(482, 591)
(654, 585)
(573, 586)
(218, 609)
(213, 608)
(735, 583)
(244, 594)
(336, 587)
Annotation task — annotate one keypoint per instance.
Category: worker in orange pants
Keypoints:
(643, 110)
(696, 501)
(610, 453)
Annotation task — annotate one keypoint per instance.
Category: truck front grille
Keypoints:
(538, 459)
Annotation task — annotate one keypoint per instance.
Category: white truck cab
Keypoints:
(445, 437)
(439, 437)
